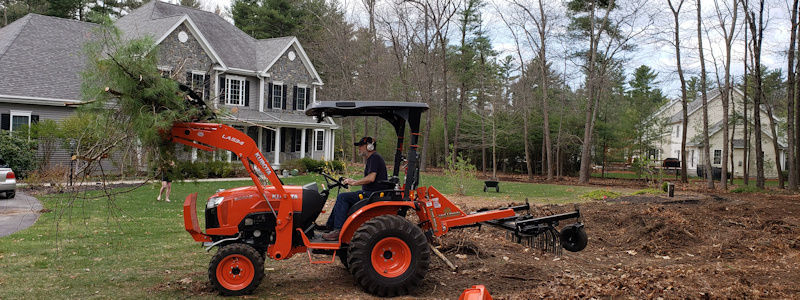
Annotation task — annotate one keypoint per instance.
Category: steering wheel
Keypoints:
(333, 182)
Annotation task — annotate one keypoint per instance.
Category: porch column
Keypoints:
(194, 154)
(303, 143)
(260, 139)
(333, 144)
(327, 142)
(277, 161)
(260, 102)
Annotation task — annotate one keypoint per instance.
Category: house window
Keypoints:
(277, 95)
(20, 120)
(198, 83)
(319, 138)
(692, 156)
(301, 98)
(678, 131)
(234, 90)
(717, 156)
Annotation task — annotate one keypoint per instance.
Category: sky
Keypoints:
(652, 49)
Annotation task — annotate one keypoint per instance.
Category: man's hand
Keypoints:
(367, 179)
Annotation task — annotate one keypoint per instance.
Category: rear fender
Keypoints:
(368, 212)
(190, 219)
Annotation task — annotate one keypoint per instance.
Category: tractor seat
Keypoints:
(387, 195)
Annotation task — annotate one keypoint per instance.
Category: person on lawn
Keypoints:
(167, 170)
(374, 172)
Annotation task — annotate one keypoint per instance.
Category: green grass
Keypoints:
(514, 191)
(137, 247)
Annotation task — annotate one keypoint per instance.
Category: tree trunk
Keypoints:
(757, 32)
(684, 98)
(790, 94)
(528, 162)
(548, 145)
(428, 57)
(443, 49)
(729, 34)
(746, 154)
(708, 170)
(733, 135)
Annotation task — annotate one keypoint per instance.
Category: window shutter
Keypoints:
(284, 95)
(294, 98)
(269, 95)
(283, 139)
(206, 87)
(34, 119)
(293, 147)
(221, 84)
(189, 79)
(308, 141)
(305, 100)
(5, 121)
(246, 92)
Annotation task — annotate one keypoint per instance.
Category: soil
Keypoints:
(646, 246)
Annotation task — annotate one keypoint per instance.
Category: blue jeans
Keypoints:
(343, 203)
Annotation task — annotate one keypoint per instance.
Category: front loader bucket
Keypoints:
(190, 219)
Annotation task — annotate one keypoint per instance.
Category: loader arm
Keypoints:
(210, 136)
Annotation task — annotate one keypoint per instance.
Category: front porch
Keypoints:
(283, 144)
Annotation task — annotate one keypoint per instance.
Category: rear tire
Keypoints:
(10, 195)
(388, 256)
(236, 269)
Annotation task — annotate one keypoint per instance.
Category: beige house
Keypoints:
(667, 140)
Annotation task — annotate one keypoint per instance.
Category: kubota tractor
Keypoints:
(386, 253)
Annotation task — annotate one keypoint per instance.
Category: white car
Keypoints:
(8, 182)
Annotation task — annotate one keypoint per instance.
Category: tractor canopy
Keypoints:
(397, 113)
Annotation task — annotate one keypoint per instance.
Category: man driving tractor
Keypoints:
(374, 172)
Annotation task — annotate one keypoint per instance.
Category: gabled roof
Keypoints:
(41, 58)
(225, 43)
(235, 48)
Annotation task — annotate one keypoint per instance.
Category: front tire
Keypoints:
(388, 256)
(236, 269)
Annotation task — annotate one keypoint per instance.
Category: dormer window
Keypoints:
(234, 90)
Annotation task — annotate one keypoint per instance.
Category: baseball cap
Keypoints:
(364, 140)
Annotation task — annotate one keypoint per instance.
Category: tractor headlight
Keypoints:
(214, 201)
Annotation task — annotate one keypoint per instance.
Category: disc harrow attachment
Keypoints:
(541, 233)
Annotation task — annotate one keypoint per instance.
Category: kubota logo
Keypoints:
(233, 139)
(263, 162)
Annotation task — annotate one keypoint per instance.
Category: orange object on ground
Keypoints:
(476, 292)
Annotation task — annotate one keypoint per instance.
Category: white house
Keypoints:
(668, 143)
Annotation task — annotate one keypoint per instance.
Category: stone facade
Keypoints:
(293, 71)
(183, 56)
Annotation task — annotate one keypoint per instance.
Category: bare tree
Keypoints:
(684, 99)
(541, 22)
(522, 98)
(790, 98)
(757, 31)
(703, 87)
(728, 35)
(608, 38)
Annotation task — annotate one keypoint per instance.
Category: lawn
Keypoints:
(135, 246)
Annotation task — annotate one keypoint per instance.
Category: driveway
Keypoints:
(18, 213)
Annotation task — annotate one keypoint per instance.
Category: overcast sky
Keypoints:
(650, 50)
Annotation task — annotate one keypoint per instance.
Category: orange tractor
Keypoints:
(386, 253)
